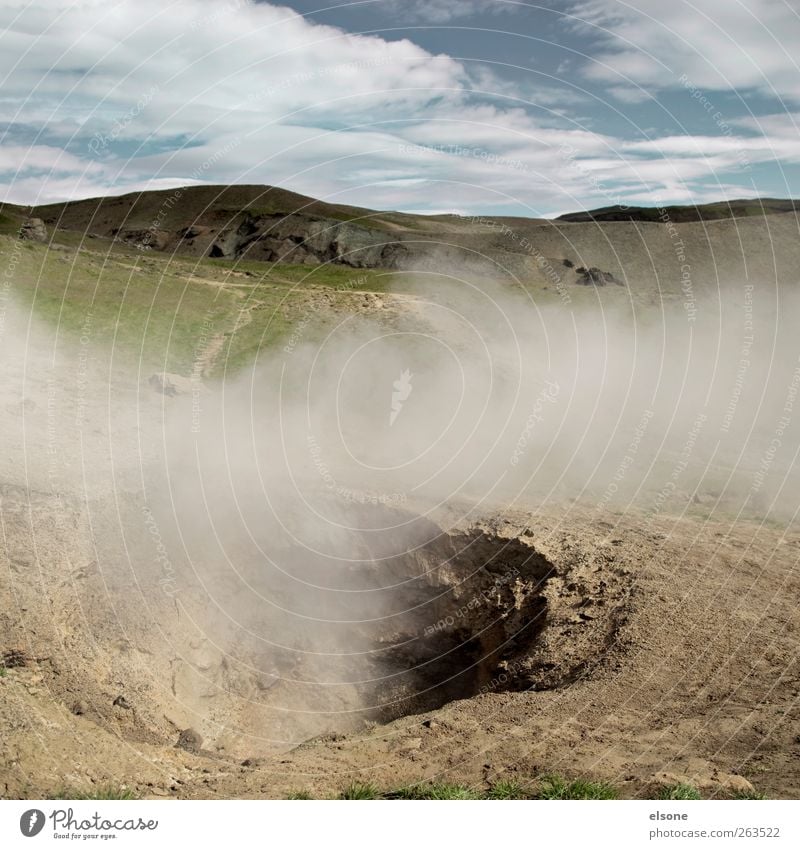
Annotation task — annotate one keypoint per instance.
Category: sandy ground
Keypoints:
(657, 648)
(692, 673)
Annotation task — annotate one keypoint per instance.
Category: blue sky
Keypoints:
(467, 106)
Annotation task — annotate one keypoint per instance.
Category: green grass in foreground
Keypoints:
(507, 790)
(555, 787)
(547, 787)
(680, 792)
(105, 792)
(436, 791)
(360, 790)
(750, 795)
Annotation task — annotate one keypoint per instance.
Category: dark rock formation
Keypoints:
(595, 277)
(305, 240)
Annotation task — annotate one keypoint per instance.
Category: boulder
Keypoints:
(171, 384)
(33, 230)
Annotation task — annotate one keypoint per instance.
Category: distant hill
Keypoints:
(683, 214)
(721, 242)
(244, 222)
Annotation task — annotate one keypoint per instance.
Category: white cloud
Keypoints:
(141, 93)
(629, 93)
(443, 11)
(717, 44)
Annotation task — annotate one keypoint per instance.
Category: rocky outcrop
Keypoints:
(33, 230)
(595, 277)
(300, 239)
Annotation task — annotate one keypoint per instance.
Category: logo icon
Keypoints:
(31, 822)
(402, 389)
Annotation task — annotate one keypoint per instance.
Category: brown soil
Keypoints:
(620, 650)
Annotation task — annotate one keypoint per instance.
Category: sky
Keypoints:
(490, 107)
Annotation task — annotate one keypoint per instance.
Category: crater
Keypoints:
(387, 628)
(473, 607)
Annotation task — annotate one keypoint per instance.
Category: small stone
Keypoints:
(736, 784)
(410, 745)
(80, 708)
(14, 658)
(122, 702)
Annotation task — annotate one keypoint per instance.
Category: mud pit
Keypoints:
(466, 612)
(474, 608)
(274, 644)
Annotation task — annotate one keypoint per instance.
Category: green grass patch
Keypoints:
(435, 791)
(105, 792)
(680, 792)
(329, 275)
(747, 795)
(358, 790)
(10, 224)
(556, 787)
(154, 312)
(507, 789)
(548, 787)
(300, 795)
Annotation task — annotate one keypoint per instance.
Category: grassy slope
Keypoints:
(155, 307)
(158, 310)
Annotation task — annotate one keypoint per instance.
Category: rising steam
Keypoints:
(256, 523)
